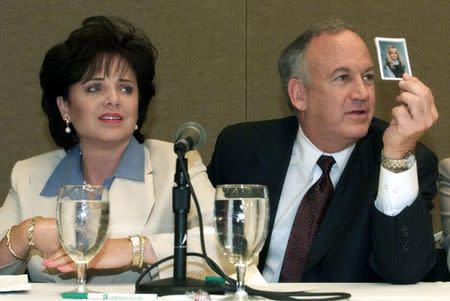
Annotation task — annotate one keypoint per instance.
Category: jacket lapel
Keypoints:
(131, 203)
(274, 161)
(355, 187)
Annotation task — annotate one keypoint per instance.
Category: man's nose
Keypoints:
(361, 90)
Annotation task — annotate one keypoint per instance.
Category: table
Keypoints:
(432, 291)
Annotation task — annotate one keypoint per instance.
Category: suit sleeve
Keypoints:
(403, 245)
(214, 168)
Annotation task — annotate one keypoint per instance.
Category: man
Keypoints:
(376, 224)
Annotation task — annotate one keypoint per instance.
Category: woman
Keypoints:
(97, 86)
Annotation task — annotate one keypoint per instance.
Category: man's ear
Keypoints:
(63, 107)
(296, 91)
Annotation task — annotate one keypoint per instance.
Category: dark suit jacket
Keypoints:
(355, 242)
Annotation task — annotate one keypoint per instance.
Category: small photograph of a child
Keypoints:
(392, 58)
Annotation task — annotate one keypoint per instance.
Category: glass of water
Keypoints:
(82, 216)
(241, 217)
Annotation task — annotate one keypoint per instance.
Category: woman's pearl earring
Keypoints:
(136, 127)
(67, 130)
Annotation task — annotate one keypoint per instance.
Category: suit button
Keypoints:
(404, 232)
(405, 247)
(404, 238)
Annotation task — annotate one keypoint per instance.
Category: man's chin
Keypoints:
(357, 132)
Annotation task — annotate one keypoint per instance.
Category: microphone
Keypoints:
(190, 135)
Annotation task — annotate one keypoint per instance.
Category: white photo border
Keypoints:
(400, 44)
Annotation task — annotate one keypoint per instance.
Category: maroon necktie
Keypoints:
(308, 217)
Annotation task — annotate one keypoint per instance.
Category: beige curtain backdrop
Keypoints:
(217, 60)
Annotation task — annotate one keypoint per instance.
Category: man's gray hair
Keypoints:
(293, 60)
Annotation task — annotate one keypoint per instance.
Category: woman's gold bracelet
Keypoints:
(8, 244)
(30, 233)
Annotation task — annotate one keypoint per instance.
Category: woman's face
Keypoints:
(104, 108)
(393, 54)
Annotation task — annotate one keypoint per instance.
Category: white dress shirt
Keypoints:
(303, 172)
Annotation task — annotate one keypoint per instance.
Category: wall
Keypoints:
(217, 60)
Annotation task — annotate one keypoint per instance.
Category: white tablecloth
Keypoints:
(360, 291)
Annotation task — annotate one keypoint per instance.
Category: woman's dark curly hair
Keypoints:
(86, 51)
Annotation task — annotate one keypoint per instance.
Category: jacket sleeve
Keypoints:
(214, 169)
(10, 215)
(403, 245)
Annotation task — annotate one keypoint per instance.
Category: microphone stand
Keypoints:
(180, 207)
(179, 284)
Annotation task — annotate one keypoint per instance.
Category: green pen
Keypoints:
(108, 296)
(214, 280)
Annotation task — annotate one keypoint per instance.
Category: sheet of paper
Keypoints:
(12, 283)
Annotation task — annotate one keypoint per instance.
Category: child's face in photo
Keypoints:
(393, 53)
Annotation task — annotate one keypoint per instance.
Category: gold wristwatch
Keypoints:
(137, 249)
(398, 165)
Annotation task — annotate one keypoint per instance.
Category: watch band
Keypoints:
(396, 165)
(137, 249)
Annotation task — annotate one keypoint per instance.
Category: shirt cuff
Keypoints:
(396, 191)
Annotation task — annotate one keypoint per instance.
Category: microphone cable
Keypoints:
(230, 282)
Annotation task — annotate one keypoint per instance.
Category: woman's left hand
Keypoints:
(61, 261)
(115, 253)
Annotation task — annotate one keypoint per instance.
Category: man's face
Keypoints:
(340, 96)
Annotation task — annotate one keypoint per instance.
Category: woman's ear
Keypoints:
(296, 91)
(63, 107)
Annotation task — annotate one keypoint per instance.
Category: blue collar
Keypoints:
(68, 171)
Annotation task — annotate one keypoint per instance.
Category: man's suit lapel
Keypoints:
(273, 160)
(354, 187)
